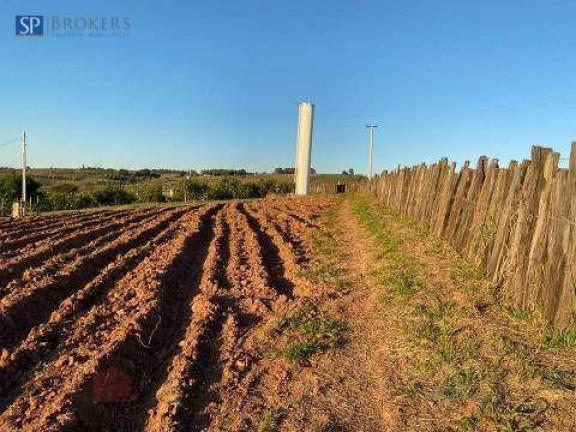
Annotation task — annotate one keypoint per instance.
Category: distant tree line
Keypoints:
(225, 172)
(66, 196)
(229, 188)
(126, 176)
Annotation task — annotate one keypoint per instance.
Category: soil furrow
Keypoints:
(10, 269)
(271, 255)
(31, 304)
(253, 303)
(148, 361)
(156, 320)
(309, 210)
(45, 337)
(28, 248)
(9, 245)
(26, 226)
(37, 276)
(302, 218)
(34, 221)
(132, 331)
(251, 280)
(283, 232)
(186, 390)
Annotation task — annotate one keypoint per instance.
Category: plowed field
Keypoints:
(145, 319)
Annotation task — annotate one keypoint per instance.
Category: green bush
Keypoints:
(233, 189)
(224, 189)
(151, 192)
(187, 189)
(57, 201)
(112, 195)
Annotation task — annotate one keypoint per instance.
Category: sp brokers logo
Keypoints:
(29, 25)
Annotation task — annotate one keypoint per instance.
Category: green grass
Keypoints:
(400, 274)
(518, 314)
(559, 339)
(437, 309)
(301, 351)
(518, 418)
(436, 247)
(550, 374)
(310, 331)
(404, 283)
(466, 270)
(444, 356)
(487, 231)
(327, 271)
(461, 385)
(384, 240)
(271, 420)
(467, 424)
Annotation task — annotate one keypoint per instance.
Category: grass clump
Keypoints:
(519, 314)
(301, 351)
(436, 247)
(271, 420)
(309, 331)
(437, 310)
(559, 339)
(461, 385)
(466, 270)
(521, 417)
(467, 424)
(552, 375)
(405, 284)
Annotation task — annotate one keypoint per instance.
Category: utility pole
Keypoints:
(371, 127)
(24, 174)
(304, 147)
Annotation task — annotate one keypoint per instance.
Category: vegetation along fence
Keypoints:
(517, 223)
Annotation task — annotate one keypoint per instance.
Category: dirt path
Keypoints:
(357, 376)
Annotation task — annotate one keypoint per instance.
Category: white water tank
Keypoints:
(304, 147)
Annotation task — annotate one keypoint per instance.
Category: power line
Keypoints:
(13, 140)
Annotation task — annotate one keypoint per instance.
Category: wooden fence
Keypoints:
(516, 223)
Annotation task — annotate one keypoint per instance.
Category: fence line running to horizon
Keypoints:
(518, 224)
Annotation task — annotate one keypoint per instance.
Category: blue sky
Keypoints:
(215, 83)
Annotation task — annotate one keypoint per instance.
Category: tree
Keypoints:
(112, 195)
(351, 171)
(11, 190)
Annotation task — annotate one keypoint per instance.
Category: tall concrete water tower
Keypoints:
(304, 147)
